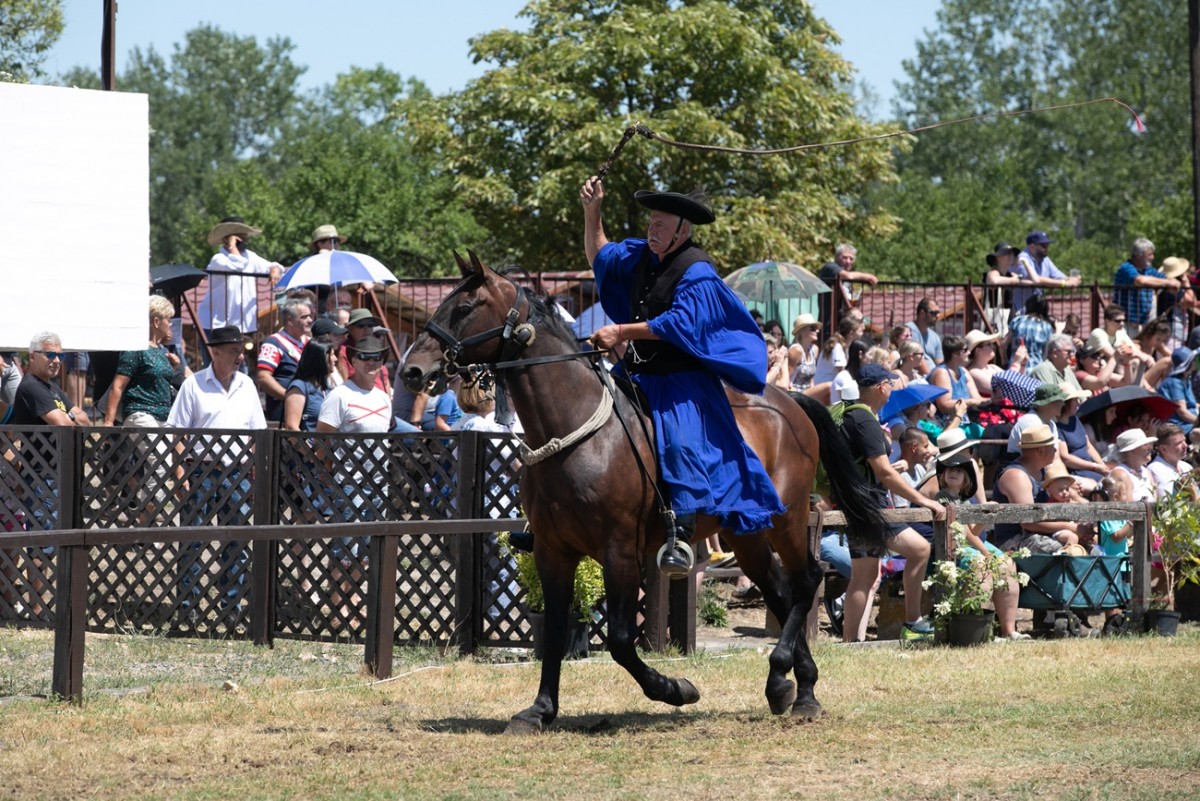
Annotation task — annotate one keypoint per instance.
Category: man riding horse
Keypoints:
(685, 332)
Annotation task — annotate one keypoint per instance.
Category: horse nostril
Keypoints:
(413, 378)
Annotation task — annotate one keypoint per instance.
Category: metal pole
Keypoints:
(1194, 52)
(108, 47)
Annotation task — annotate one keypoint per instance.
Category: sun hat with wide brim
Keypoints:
(977, 338)
(362, 316)
(690, 207)
(803, 321)
(1001, 249)
(1133, 438)
(1181, 360)
(952, 442)
(1056, 472)
(228, 227)
(326, 232)
(1175, 266)
(367, 345)
(227, 335)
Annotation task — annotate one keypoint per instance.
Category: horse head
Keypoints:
(473, 325)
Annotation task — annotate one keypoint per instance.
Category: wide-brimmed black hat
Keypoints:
(1000, 249)
(226, 335)
(692, 207)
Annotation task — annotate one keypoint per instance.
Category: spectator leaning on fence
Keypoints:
(1035, 267)
(1020, 482)
(844, 257)
(217, 479)
(1179, 316)
(232, 300)
(1136, 281)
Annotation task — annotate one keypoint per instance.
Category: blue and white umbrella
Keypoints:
(340, 267)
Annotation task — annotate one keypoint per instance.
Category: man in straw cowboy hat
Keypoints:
(325, 237)
(1020, 482)
(232, 297)
(684, 331)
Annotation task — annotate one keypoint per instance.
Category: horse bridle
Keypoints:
(515, 337)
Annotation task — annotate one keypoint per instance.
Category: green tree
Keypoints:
(1080, 173)
(744, 73)
(28, 29)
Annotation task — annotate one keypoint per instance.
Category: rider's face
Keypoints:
(662, 231)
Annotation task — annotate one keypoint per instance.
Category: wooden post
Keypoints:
(654, 632)
(681, 612)
(265, 563)
(71, 579)
(381, 605)
(812, 625)
(468, 624)
(1139, 568)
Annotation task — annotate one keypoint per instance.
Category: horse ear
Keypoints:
(476, 264)
(463, 267)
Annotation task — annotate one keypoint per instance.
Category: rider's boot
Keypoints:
(675, 558)
(521, 540)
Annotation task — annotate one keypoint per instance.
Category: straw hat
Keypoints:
(326, 232)
(804, 321)
(1175, 266)
(1038, 436)
(230, 226)
(1056, 472)
(977, 338)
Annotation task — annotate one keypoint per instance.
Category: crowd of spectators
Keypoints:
(1085, 414)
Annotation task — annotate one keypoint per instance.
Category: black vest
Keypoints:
(653, 294)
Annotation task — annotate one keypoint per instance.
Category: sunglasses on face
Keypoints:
(52, 355)
(369, 357)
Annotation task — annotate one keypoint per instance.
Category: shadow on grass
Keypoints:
(600, 724)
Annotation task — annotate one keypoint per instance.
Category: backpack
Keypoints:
(838, 412)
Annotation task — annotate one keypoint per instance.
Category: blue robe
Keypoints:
(705, 464)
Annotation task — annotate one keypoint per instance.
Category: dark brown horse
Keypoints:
(594, 499)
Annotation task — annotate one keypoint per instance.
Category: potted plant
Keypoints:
(589, 589)
(1177, 542)
(961, 591)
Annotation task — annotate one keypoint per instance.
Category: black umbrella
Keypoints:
(175, 279)
(1127, 398)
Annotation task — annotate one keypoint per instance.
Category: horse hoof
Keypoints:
(688, 694)
(808, 711)
(523, 726)
(782, 698)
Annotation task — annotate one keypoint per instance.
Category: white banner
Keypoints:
(74, 217)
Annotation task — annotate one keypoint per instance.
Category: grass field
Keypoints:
(1096, 719)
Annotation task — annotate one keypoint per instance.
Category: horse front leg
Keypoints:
(558, 581)
(622, 586)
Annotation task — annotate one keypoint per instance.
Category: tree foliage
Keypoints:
(28, 29)
(233, 135)
(745, 73)
(1082, 174)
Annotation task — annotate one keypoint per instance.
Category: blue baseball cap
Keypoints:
(870, 375)
(1038, 238)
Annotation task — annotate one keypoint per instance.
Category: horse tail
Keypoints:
(850, 490)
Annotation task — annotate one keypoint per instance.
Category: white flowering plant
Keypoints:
(963, 589)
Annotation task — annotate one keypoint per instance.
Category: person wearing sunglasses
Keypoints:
(40, 400)
(357, 406)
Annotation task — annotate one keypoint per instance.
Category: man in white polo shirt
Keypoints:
(217, 472)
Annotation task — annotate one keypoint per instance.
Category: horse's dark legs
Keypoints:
(558, 580)
(804, 588)
(621, 586)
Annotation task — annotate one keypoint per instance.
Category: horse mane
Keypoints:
(541, 315)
